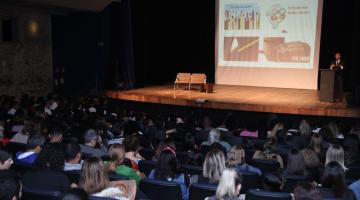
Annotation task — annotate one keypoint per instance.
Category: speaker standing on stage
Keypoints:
(338, 65)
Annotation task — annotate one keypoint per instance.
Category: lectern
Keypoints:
(328, 89)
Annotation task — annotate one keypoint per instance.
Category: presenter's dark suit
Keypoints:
(339, 67)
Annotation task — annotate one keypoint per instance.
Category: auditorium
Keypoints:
(179, 100)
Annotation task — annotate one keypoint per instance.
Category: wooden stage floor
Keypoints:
(257, 99)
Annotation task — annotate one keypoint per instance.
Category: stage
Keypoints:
(243, 98)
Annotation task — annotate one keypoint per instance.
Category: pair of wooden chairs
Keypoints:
(189, 79)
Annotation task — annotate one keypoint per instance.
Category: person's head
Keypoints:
(168, 142)
(132, 143)
(5, 160)
(316, 142)
(269, 149)
(214, 135)
(295, 163)
(117, 153)
(311, 158)
(167, 166)
(72, 152)
(236, 156)
(334, 177)
(35, 143)
(229, 184)
(337, 55)
(94, 176)
(304, 128)
(91, 138)
(75, 194)
(10, 188)
(56, 135)
(335, 153)
(189, 142)
(272, 182)
(307, 191)
(214, 165)
(355, 131)
(51, 157)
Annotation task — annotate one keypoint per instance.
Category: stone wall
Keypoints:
(26, 63)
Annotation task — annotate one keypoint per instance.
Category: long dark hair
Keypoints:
(168, 166)
(295, 163)
(51, 157)
(334, 177)
(272, 182)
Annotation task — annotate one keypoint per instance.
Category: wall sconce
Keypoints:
(33, 28)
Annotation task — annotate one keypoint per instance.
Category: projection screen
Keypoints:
(268, 43)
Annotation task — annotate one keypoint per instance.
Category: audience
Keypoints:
(93, 144)
(73, 160)
(167, 169)
(333, 182)
(48, 170)
(116, 163)
(335, 153)
(34, 146)
(236, 159)
(229, 186)
(296, 164)
(213, 167)
(307, 191)
(132, 147)
(10, 188)
(214, 137)
(272, 182)
(269, 153)
(94, 179)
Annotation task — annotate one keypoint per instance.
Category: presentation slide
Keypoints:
(268, 35)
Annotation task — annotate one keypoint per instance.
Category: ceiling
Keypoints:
(61, 5)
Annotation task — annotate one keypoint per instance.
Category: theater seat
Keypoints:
(100, 198)
(73, 176)
(201, 191)
(147, 153)
(192, 169)
(161, 190)
(254, 194)
(291, 182)
(250, 181)
(21, 168)
(266, 166)
(146, 166)
(116, 177)
(39, 194)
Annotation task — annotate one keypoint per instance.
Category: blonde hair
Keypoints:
(117, 153)
(335, 153)
(235, 156)
(214, 165)
(227, 188)
(94, 176)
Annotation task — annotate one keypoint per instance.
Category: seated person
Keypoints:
(307, 191)
(5, 161)
(72, 156)
(333, 182)
(10, 188)
(229, 186)
(94, 179)
(236, 159)
(34, 146)
(56, 135)
(117, 156)
(214, 137)
(355, 188)
(93, 144)
(272, 182)
(132, 147)
(48, 173)
(213, 167)
(296, 165)
(269, 153)
(167, 169)
(312, 163)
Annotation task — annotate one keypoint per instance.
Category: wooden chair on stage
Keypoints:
(182, 78)
(197, 79)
